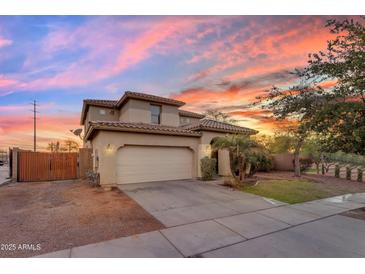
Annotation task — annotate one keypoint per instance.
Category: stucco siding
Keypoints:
(183, 120)
(209, 135)
(138, 111)
(94, 114)
(170, 116)
(135, 111)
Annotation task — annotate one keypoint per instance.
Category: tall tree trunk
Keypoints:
(241, 166)
(234, 177)
(297, 158)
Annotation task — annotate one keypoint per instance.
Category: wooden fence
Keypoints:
(43, 166)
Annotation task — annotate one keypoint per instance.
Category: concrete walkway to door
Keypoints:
(208, 220)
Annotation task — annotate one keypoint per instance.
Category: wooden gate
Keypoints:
(43, 166)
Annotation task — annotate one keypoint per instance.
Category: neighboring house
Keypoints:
(143, 138)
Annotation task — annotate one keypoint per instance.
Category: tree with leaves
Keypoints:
(321, 110)
(219, 116)
(70, 145)
(54, 146)
(342, 121)
(299, 104)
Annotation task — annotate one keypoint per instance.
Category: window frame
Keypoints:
(154, 115)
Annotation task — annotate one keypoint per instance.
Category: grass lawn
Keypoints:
(290, 191)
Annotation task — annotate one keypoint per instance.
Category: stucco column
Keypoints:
(203, 150)
(107, 165)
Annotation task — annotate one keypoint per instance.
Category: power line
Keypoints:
(34, 125)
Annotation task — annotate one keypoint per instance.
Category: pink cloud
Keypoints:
(7, 82)
(5, 42)
(110, 53)
(26, 107)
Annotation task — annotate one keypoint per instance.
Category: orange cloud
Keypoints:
(17, 130)
(328, 84)
(280, 45)
(251, 113)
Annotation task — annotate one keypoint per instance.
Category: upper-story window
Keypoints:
(184, 120)
(102, 111)
(155, 114)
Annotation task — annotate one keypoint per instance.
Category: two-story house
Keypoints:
(145, 138)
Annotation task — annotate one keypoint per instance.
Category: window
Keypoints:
(184, 120)
(102, 111)
(155, 114)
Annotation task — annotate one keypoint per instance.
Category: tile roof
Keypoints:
(211, 125)
(97, 102)
(186, 113)
(148, 97)
(138, 127)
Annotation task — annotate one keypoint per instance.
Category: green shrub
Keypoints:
(207, 167)
(337, 171)
(348, 173)
(359, 174)
(260, 162)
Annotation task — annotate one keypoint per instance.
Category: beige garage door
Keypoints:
(136, 164)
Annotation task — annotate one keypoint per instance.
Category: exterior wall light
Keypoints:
(109, 149)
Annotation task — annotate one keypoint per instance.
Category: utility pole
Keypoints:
(35, 124)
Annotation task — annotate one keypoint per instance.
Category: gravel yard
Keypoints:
(37, 218)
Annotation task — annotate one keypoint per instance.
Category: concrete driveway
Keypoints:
(208, 220)
(182, 202)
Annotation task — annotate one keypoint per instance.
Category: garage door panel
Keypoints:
(137, 164)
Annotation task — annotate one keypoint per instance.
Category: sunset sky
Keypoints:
(220, 62)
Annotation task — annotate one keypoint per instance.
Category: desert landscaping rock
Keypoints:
(62, 215)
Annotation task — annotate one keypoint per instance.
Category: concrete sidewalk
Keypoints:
(311, 229)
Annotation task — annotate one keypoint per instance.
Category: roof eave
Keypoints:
(136, 130)
(127, 96)
(248, 132)
(85, 107)
(198, 116)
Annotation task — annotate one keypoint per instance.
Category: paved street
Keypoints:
(207, 220)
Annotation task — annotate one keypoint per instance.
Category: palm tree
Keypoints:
(244, 154)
